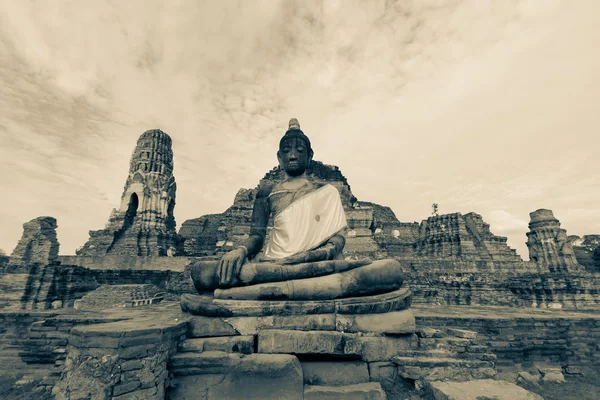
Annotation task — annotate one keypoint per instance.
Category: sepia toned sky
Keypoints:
(484, 106)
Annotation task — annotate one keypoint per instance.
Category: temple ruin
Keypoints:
(107, 322)
(39, 244)
(144, 224)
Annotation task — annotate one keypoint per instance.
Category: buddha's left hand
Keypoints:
(327, 252)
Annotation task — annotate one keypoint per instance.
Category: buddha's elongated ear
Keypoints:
(279, 159)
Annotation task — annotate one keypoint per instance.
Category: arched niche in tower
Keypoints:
(131, 210)
(138, 178)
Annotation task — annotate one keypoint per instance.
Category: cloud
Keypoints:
(479, 106)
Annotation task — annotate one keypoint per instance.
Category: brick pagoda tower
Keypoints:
(144, 224)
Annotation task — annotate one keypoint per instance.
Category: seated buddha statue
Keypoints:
(303, 256)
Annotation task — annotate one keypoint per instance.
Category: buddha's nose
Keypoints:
(293, 156)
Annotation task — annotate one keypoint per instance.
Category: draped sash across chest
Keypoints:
(306, 223)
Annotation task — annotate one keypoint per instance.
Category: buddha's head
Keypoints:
(294, 153)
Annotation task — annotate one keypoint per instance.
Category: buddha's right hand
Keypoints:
(230, 266)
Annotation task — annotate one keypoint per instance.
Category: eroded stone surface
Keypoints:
(207, 305)
(298, 342)
(335, 373)
(252, 325)
(207, 327)
(477, 389)
(230, 344)
(38, 243)
(256, 376)
(383, 348)
(398, 322)
(548, 244)
(361, 391)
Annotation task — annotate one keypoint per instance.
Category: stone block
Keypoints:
(384, 372)
(429, 333)
(528, 380)
(311, 322)
(479, 389)
(554, 376)
(443, 368)
(140, 340)
(573, 370)
(209, 327)
(136, 351)
(309, 342)
(397, 322)
(125, 387)
(131, 365)
(229, 344)
(255, 376)
(334, 373)
(461, 333)
(361, 391)
(383, 348)
(150, 393)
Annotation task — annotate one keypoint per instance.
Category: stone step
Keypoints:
(361, 391)
(234, 376)
(462, 333)
(432, 362)
(443, 368)
(334, 373)
(480, 389)
(228, 344)
(445, 353)
(207, 362)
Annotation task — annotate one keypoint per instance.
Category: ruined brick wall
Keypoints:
(38, 243)
(570, 341)
(36, 287)
(16, 341)
(116, 359)
(475, 286)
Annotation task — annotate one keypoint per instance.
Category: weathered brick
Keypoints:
(131, 365)
(125, 387)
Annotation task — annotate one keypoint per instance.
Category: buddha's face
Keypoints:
(293, 156)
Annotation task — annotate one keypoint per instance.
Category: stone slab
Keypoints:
(462, 333)
(228, 344)
(252, 325)
(478, 389)
(334, 373)
(395, 322)
(384, 372)
(309, 342)
(443, 368)
(361, 391)
(383, 348)
(200, 326)
(255, 376)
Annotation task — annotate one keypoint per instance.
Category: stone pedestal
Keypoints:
(327, 349)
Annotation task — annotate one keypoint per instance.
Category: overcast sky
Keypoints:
(485, 106)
